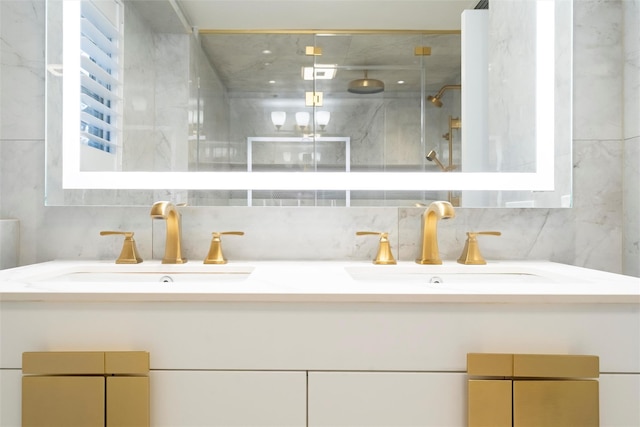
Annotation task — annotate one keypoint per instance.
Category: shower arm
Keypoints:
(446, 88)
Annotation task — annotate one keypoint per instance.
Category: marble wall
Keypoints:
(631, 136)
(600, 231)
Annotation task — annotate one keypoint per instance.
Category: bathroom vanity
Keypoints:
(321, 343)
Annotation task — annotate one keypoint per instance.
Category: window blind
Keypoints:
(100, 83)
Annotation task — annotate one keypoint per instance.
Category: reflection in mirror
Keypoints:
(220, 118)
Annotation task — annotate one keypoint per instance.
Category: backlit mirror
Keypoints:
(239, 117)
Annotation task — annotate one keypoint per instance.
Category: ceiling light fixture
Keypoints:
(320, 72)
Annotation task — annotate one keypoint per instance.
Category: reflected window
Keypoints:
(100, 83)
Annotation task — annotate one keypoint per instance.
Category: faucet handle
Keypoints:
(384, 256)
(129, 253)
(471, 252)
(215, 255)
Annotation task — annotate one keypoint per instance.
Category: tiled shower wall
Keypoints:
(601, 231)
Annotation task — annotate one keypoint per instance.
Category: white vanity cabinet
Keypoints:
(292, 358)
(386, 399)
(228, 398)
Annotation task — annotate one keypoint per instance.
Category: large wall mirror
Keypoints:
(396, 104)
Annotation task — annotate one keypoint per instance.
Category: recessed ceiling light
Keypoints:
(266, 51)
(272, 82)
(319, 72)
(400, 82)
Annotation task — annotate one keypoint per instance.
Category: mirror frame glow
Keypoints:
(540, 180)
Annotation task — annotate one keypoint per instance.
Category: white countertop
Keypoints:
(318, 281)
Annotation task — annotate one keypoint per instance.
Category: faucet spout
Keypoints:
(173, 243)
(430, 253)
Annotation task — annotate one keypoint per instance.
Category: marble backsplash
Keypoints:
(600, 231)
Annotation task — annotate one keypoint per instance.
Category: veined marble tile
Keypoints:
(9, 242)
(74, 233)
(526, 233)
(631, 68)
(296, 233)
(22, 78)
(22, 193)
(631, 208)
(597, 69)
(597, 176)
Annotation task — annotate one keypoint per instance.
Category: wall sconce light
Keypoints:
(278, 118)
(302, 120)
(322, 119)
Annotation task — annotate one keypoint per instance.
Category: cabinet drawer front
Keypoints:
(396, 399)
(556, 403)
(127, 401)
(489, 403)
(63, 362)
(63, 401)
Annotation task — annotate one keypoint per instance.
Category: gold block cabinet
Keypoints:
(85, 389)
(532, 390)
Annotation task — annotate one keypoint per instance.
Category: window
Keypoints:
(100, 84)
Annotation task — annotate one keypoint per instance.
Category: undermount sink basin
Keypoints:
(157, 273)
(162, 277)
(448, 275)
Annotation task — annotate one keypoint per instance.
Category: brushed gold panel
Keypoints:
(489, 403)
(127, 401)
(312, 51)
(63, 362)
(63, 401)
(313, 99)
(422, 51)
(490, 364)
(570, 403)
(126, 362)
(555, 366)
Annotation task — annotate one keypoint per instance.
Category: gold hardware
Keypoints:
(489, 403)
(173, 243)
(384, 256)
(129, 253)
(85, 388)
(430, 253)
(555, 366)
(532, 390)
(85, 362)
(313, 99)
(313, 51)
(556, 403)
(532, 365)
(471, 252)
(215, 255)
(422, 51)
(490, 364)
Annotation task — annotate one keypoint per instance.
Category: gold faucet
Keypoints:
(129, 253)
(435, 211)
(173, 243)
(471, 253)
(384, 256)
(215, 255)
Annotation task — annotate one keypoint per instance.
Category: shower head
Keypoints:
(433, 157)
(366, 86)
(435, 100)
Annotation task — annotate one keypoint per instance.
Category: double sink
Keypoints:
(498, 281)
